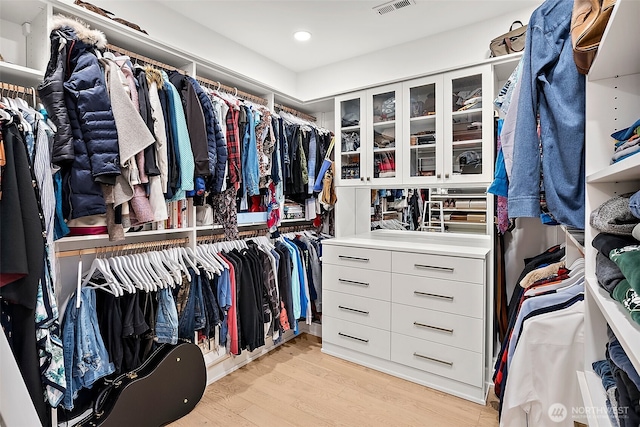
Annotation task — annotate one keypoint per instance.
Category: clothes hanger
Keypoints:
(125, 281)
(212, 264)
(167, 279)
(174, 268)
(97, 265)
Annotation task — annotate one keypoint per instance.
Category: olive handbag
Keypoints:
(588, 21)
(510, 42)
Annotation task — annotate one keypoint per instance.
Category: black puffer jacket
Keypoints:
(94, 137)
(51, 92)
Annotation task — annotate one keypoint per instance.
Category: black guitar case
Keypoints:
(167, 386)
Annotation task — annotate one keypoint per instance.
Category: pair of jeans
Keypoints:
(193, 316)
(166, 318)
(85, 356)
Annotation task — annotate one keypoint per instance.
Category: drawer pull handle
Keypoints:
(352, 337)
(351, 282)
(341, 307)
(433, 267)
(353, 258)
(427, 294)
(436, 328)
(433, 360)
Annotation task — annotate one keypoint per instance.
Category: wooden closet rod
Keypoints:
(157, 244)
(7, 89)
(296, 113)
(215, 85)
(144, 59)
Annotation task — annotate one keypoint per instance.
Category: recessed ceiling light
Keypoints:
(302, 36)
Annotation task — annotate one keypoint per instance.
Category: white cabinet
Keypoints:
(612, 103)
(434, 130)
(447, 128)
(368, 130)
(415, 310)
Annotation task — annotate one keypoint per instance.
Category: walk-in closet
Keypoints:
(331, 213)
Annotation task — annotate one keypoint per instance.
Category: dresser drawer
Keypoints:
(461, 365)
(357, 281)
(365, 339)
(439, 266)
(438, 294)
(370, 259)
(444, 328)
(365, 311)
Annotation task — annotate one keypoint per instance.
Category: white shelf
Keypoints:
(462, 210)
(612, 60)
(382, 150)
(349, 153)
(466, 143)
(470, 111)
(460, 196)
(573, 236)
(208, 227)
(422, 118)
(98, 237)
(350, 128)
(385, 123)
(593, 396)
(19, 75)
(626, 330)
(415, 147)
(625, 170)
(464, 223)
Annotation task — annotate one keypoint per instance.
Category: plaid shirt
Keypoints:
(233, 146)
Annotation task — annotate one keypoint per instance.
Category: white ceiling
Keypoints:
(341, 29)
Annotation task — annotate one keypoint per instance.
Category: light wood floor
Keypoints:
(296, 385)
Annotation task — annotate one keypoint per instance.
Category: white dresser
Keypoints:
(414, 308)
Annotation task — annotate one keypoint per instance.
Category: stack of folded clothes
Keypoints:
(627, 142)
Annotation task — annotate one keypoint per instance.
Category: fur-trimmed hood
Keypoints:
(85, 34)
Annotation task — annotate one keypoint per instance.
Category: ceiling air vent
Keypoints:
(392, 6)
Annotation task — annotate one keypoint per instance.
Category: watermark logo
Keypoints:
(557, 412)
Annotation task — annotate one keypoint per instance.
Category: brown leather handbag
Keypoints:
(510, 42)
(588, 21)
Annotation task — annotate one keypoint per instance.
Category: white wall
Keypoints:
(199, 40)
(445, 50)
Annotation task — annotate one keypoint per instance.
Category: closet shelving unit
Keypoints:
(25, 49)
(612, 103)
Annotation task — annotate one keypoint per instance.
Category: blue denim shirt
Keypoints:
(552, 87)
(85, 357)
(166, 318)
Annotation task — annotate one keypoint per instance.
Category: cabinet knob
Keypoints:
(446, 175)
(369, 179)
(362, 179)
(438, 176)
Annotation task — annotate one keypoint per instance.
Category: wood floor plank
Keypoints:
(298, 385)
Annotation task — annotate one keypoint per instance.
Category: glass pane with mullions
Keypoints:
(423, 160)
(350, 113)
(467, 158)
(423, 100)
(384, 107)
(384, 136)
(384, 164)
(467, 93)
(467, 126)
(350, 167)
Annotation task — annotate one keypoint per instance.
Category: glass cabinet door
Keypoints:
(351, 157)
(466, 137)
(422, 146)
(384, 110)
